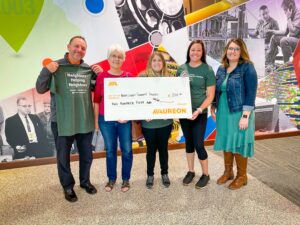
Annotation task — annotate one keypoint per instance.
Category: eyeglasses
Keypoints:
(119, 57)
(234, 49)
(25, 106)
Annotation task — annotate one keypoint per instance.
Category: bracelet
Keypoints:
(200, 109)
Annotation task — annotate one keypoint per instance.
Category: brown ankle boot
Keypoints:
(241, 177)
(228, 173)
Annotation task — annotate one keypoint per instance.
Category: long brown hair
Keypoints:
(149, 70)
(244, 57)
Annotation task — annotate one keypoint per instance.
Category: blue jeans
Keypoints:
(111, 131)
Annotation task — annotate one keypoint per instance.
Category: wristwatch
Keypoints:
(200, 109)
(245, 116)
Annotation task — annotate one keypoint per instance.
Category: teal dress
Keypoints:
(229, 137)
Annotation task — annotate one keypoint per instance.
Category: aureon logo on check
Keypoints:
(113, 83)
(169, 111)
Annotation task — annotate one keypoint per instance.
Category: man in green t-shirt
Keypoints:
(69, 81)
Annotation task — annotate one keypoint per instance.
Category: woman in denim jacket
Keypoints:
(235, 97)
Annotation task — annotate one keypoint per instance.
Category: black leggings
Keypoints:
(157, 138)
(194, 131)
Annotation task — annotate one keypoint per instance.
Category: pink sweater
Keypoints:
(99, 89)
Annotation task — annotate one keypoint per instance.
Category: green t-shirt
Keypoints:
(156, 123)
(200, 77)
(71, 86)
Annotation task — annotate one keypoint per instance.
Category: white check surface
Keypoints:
(139, 98)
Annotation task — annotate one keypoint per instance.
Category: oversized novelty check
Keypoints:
(147, 98)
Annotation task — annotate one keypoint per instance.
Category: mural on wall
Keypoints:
(149, 20)
(43, 29)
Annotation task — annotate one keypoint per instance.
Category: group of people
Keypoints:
(286, 39)
(230, 93)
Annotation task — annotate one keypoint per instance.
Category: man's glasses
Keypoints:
(25, 106)
(234, 49)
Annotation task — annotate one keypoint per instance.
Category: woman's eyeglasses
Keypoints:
(234, 49)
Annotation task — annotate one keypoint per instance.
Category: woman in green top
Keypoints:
(157, 132)
(202, 84)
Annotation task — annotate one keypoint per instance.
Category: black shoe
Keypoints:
(89, 188)
(188, 178)
(165, 180)
(202, 182)
(70, 195)
(149, 182)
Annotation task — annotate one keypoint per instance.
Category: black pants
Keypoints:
(63, 146)
(194, 131)
(157, 138)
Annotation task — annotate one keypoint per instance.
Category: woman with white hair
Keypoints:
(114, 130)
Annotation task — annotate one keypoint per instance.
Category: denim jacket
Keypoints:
(241, 87)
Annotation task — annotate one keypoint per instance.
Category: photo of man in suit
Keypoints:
(25, 133)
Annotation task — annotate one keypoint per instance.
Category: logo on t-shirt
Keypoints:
(77, 83)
